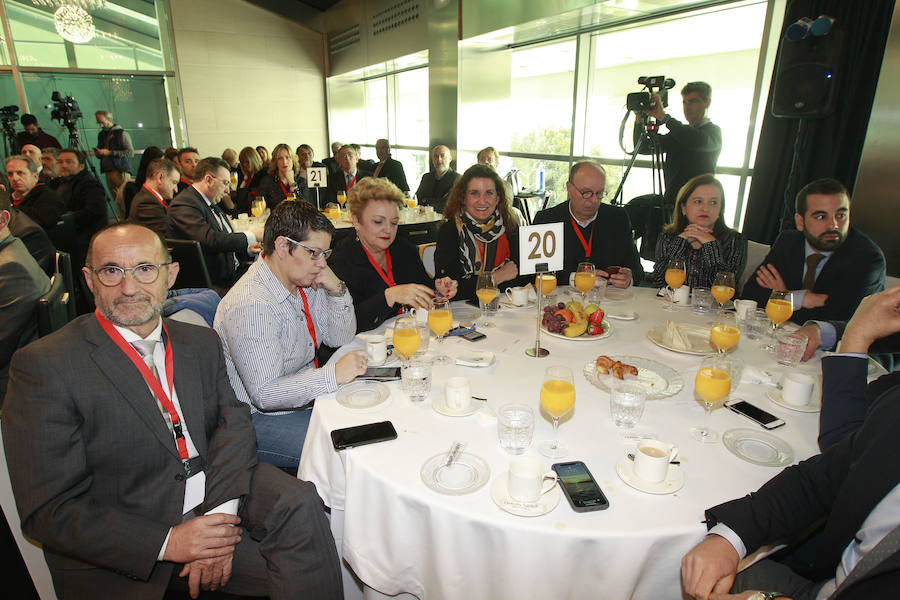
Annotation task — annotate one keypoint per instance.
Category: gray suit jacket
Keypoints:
(147, 210)
(94, 469)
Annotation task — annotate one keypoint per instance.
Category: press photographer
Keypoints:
(34, 135)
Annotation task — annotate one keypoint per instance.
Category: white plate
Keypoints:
(617, 295)
(814, 406)
(475, 358)
(673, 482)
(659, 380)
(504, 302)
(584, 337)
(758, 447)
(464, 476)
(361, 395)
(543, 505)
(625, 315)
(439, 404)
(698, 338)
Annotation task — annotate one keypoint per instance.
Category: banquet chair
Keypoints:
(426, 254)
(64, 268)
(53, 307)
(756, 252)
(192, 272)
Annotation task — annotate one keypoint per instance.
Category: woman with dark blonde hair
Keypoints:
(382, 272)
(250, 175)
(480, 233)
(283, 180)
(699, 236)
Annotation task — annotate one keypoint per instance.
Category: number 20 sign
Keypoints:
(541, 245)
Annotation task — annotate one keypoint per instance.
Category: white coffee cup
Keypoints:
(517, 295)
(527, 479)
(681, 295)
(458, 394)
(651, 460)
(797, 388)
(744, 308)
(376, 350)
(421, 315)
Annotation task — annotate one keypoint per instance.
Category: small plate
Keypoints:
(361, 395)
(439, 404)
(464, 476)
(475, 358)
(758, 447)
(625, 315)
(659, 380)
(465, 315)
(617, 295)
(698, 338)
(584, 337)
(504, 302)
(543, 505)
(776, 397)
(673, 482)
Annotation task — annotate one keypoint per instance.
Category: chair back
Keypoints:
(756, 252)
(192, 272)
(63, 233)
(64, 268)
(53, 307)
(420, 233)
(426, 253)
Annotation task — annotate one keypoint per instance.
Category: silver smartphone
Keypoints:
(755, 413)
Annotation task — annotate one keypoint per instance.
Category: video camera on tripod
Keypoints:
(65, 110)
(637, 102)
(8, 116)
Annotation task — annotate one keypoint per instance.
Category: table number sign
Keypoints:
(316, 177)
(540, 248)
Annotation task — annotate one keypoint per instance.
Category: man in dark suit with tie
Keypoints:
(194, 215)
(827, 265)
(349, 174)
(331, 162)
(853, 486)
(389, 167)
(150, 204)
(133, 463)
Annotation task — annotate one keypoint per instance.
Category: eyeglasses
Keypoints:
(314, 253)
(589, 194)
(111, 276)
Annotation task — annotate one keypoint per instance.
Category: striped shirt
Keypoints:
(727, 254)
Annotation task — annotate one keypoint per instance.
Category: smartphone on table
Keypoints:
(580, 487)
(762, 418)
(381, 374)
(360, 435)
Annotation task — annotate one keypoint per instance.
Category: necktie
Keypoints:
(812, 261)
(348, 181)
(146, 348)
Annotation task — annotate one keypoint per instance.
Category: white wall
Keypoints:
(248, 77)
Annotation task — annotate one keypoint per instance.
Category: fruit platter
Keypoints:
(573, 321)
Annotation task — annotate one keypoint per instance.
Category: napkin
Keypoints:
(758, 376)
(676, 337)
(475, 359)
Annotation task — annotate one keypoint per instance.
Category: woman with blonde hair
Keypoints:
(283, 180)
(250, 174)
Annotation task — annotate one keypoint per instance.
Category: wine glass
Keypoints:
(724, 333)
(406, 337)
(440, 319)
(557, 398)
(779, 309)
(258, 206)
(675, 277)
(342, 198)
(723, 289)
(487, 292)
(412, 202)
(712, 385)
(585, 278)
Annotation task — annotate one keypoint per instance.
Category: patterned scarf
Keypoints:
(471, 231)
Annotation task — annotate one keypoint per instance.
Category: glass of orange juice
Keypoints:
(723, 288)
(724, 334)
(440, 319)
(487, 292)
(712, 386)
(675, 278)
(585, 278)
(258, 206)
(557, 398)
(779, 309)
(342, 198)
(406, 337)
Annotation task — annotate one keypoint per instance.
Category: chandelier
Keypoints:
(71, 19)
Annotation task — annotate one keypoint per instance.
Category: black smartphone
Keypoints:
(755, 413)
(360, 435)
(473, 336)
(381, 373)
(580, 487)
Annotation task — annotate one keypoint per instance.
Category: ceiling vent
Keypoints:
(398, 15)
(343, 40)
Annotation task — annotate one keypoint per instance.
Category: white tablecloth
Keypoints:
(400, 536)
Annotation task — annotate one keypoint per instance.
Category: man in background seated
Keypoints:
(134, 465)
(187, 160)
(306, 159)
(434, 188)
(594, 231)
(34, 153)
(272, 322)
(388, 167)
(332, 162)
(34, 135)
(38, 201)
(22, 283)
(84, 196)
(49, 167)
(349, 174)
(151, 202)
(194, 215)
(828, 266)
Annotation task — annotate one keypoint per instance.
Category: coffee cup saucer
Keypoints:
(672, 483)
(439, 404)
(814, 405)
(544, 504)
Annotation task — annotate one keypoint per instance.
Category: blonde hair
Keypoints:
(372, 188)
(250, 155)
(273, 159)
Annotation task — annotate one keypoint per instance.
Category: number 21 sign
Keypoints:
(541, 248)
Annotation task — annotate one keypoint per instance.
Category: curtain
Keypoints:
(831, 146)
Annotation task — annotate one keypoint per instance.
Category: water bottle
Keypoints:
(539, 178)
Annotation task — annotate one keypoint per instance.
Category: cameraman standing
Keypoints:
(114, 150)
(691, 149)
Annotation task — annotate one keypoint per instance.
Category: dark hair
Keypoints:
(310, 148)
(28, 119)
(209, 165)
(294, 220)
(26, 159)
(51, 150)
(456, 204)
(679, 219)
(159, 164)
(187, 149)
(79, 155)
(573, 170)
(171, 153)
(701, 88)
(150, 154)
(826, 186)
(166, 254)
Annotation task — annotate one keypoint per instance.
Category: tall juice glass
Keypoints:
(723, 288)
(487, 291)
(675, 278)
(440, 319)
(406, 337)
(711, 385)
(258, 206)
(724, 334)
(585, 278)
(779, 309)
(557, 398)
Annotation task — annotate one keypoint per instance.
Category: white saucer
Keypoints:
(363, 395)
(439, 404)
(504, 302)
(775, 396)
(672, 483)
(617, 295)
(543, 505)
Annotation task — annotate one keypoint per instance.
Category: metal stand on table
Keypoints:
(537, 351)
(522, 199)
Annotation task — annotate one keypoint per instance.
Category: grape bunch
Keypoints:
(551, 322)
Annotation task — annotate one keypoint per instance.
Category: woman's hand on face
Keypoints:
(410, 294)
(509, 270)
(446, 287)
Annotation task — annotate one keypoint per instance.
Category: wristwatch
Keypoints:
(765, 596)
(342, 289)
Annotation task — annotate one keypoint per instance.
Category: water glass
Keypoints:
(515, 427)
(415, 378)
(702, 300)
(626, 404)
(424, 338)
(756, 326)
(789, 348)
(597, 294)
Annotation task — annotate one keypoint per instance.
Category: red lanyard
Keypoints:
(157, 196)
(20, 200)
(351, 183)
(185, 181)
(388, 277)
(283, 189)
(153, 382)
(584, 244)
(309, 323)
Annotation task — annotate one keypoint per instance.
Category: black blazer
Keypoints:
(270, 188)
(337, 182)
(43, 204)
(448, 263)
(436, 192)
(350, 263)
(190, 218)
(392, 170)
(612, 244)
(841, 485)
(855, 270)
(84, 196)
(147, 210)
(35, 239)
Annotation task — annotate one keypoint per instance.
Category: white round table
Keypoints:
(400, 536)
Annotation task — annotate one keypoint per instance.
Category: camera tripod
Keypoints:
(648, 135)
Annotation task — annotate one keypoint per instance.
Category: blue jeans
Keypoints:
(280, 438)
